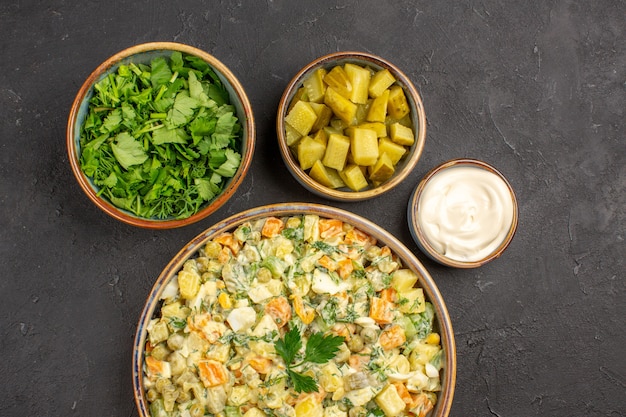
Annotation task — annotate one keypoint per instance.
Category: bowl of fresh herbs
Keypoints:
(160, 135)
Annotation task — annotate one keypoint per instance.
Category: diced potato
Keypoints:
(328, 177)
(397, 106)
(309, 151)
(309, 407)
(401, 135)
(331, 378)
(360, 80)
(301, 117)
(412, 301)
(314, 85)
(421, 354)
(403, 279)
(324, 113)
(158, 332)
(394, 151)
(390, 401)
(339, 81)
(341, 106)
(353, 177)
(382, 170)
(364, 146)
(380, 81)
(188, 284)
(254, 412)
(378, 109)
(336, 152)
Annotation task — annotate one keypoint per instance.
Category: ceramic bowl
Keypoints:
(404, 166)
(143, 54)
(439, 212)
(442, 323)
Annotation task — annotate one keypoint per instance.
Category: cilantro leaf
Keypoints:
(128, 151)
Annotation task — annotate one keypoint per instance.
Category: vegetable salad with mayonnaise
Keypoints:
(299, 316)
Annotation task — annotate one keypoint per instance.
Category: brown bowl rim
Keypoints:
(234, 183)
(421, 239)
(351, 196)
(448, 380)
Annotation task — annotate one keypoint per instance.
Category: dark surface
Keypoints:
(535, 88)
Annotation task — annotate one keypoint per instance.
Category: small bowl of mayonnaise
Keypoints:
(463, 213)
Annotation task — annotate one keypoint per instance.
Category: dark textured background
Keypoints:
(535, 88)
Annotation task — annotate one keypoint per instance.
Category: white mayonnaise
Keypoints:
(465, 212)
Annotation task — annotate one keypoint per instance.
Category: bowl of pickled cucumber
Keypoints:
(350, 126)
(294, 309)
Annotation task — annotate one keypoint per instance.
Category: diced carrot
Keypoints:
(388, 294)
(392, 337)
(305, 312)
(212, 373)
(272, 227)
(422, 406)
(345, 268)
(259, 363)
(228, 240)
(358, 361)
(385, 251)
(328, 263)
(280, 310)
(381, 310)
(404, 393)
(203, 325)
(330, 228)
(356, 237)
(156, 368)
(224, 256)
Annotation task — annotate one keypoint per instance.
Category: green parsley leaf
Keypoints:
(289, 346)
(301, 382)
(319, 349)
(128, 151)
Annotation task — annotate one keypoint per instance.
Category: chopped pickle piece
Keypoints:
(328, 177)
(341, 106)
(394, 151)
(309, 151)
(324, 114)
(378, 109)
(301, 117)
(353, 177)
(380, 81)
(291, 135)
(321, 136)
(364, 146)
(382, 170)
(397, 106)
(401, 135)
(336, 152)
(339, 81)
(314, 86)
(360, 79)
(379, 128)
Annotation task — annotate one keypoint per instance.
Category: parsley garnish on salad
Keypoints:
(161, 140)
(318, 349)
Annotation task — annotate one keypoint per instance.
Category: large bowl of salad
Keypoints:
(294, 309)
(160, 135)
